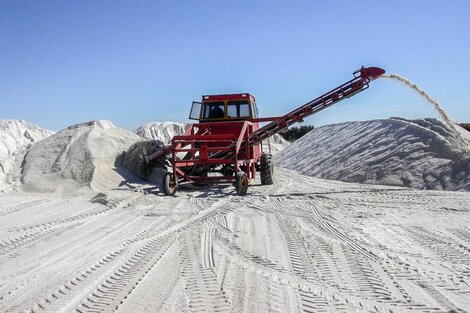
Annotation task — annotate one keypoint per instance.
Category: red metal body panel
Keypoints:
(212, 144)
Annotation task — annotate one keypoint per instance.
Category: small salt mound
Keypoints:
(414, 153)
(79, 156)
(15, 136)
(163, 131)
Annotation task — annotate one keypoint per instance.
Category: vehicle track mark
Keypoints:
(13, 247)
(349, 270)
(328, 227)
(462, 234)
(21, 206)
(289, 278)
(78, 217)
(275, 291)
(152, 235)
(117, 287)
(277, 208)
(61, 300)
(300, 263)
(202, 288)
(207, 251)
(73, 288)
(441, 248)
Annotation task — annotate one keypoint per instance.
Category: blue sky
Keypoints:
(131, 62)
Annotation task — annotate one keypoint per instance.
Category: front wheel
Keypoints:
(241, 183)
(168, 184)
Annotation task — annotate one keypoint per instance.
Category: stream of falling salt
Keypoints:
(432, 101)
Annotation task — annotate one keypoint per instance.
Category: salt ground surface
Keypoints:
(15, 137)
(80, 156)
(421, 153)
(302, 244)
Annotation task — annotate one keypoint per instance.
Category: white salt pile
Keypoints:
(422, 153)
(163, 131)
(15, 137)
(82, 155)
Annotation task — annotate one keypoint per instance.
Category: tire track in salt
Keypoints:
(302, 266)
(219, 222)
(318, 219)
(462, 234)
(21, 206)
(289, 278)
(275, 291)
(118, 286)
(202, 287)
(41, 232)
(387, 272)
(147, 235)
(354, 270)
(445, 249)
(207, 250)
(68, 296)
(433, 281)
(63, 298)
(79, 217)
(14, 247)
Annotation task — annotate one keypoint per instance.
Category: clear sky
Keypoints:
(131, 62)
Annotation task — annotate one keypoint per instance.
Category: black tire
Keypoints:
(168, 185)
(266, 169)
(241, 183)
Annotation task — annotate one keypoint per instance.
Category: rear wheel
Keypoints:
(241, 183)
(168, 184)
(266, 169)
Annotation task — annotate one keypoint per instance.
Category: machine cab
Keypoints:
(224, 108)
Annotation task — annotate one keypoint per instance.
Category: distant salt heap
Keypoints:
(82, 155)
(420, 153)
(15, 137)
(162, 131)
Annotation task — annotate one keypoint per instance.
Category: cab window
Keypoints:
(238, 109)
(213, 110)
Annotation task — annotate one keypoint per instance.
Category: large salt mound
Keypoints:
(82, 155)
(414, 153)
(15, 137)
(162, 131)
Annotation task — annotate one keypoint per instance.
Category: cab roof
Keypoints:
(227, 97)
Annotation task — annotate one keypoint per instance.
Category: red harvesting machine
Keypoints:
(226, 143)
